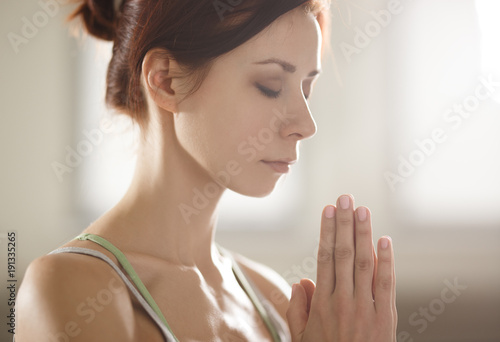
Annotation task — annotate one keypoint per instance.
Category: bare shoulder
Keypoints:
(269, 282)
(73, 297)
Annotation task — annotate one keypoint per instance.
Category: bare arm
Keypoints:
(71, 297)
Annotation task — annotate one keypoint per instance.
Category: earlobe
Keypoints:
(157, 73)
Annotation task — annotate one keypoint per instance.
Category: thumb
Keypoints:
(297, 312)
(309, 287)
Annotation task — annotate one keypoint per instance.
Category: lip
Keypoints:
(280, 165)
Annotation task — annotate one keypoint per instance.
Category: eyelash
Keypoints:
(268, 92)
(272, 94)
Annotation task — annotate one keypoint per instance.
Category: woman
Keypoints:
(200, 77)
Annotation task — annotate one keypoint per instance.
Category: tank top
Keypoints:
(266, 310)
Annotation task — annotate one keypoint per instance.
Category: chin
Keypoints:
(255, 188)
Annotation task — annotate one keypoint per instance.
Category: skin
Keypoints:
(188, 141)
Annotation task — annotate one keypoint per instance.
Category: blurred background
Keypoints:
(408, 115)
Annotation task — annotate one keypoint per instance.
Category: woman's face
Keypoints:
(252, 110)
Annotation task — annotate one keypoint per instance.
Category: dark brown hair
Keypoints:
(194, 32)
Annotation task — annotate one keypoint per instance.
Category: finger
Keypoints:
(344, 245)
(375, 263)
(394, 310)
(296, 314)
(363, 259)
(325, 278)
(309, 287)
(384, 282)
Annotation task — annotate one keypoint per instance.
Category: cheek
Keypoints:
(250, 134)
(229, 141)
(211, 130)
(234, 136)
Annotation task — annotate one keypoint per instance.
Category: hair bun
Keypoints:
(99, 18)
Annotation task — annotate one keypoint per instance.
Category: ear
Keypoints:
(158, 71)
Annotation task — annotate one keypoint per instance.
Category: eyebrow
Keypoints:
(288, 67)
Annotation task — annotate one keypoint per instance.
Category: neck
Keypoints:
(166, 212)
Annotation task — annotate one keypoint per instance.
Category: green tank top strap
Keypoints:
(238, 272)
(249, 289)
(130, 270)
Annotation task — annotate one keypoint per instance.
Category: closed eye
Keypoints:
(268, 92)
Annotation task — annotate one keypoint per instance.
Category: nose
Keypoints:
(297, 120)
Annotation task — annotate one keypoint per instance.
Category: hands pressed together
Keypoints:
(354, 296)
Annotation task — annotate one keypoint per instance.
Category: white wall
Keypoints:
(37, 100)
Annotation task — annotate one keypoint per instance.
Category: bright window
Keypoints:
(446, 146)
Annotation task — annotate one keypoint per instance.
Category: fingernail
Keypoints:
(384, 242)
(329, 211)
(344, 201)
(362, 213)
(294, 286)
